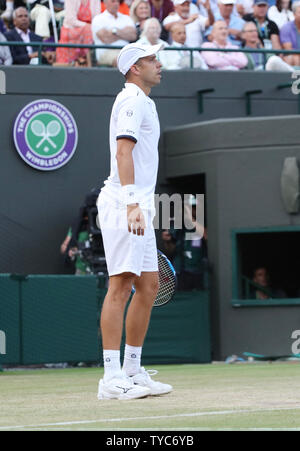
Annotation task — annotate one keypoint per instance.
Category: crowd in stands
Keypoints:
(209, 24)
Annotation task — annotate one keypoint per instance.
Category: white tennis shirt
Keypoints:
(134, 116)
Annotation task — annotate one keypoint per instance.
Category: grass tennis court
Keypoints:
(217, 396)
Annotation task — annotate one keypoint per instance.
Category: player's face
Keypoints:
(150, 70)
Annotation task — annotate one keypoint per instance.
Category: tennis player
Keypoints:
(126, 212)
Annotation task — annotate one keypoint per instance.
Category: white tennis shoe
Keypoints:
(121, 387)
(143, 379)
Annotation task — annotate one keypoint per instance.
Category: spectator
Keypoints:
(168, 244)
(261, 277)
(290, 36)
(190, 259)
(7, 14)
(112, 28)
(40, 14)
(181, 59)
(10, 6)
(123, 8)
(268, 31)
(161, 9)
(5, 55)
(2, 27)
(76, 29)
(140, 11)
(21, 32)
(256, 60)
(151, 36)
(234, 23)
(244, 7)
(223, 60)
(151, 33)
(281, 13)
(213, 6)
(195, 24)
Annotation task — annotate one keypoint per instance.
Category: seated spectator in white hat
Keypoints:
(196, 24)
(281, 13)
(181, 59)
(112, 28)
(5, 55)
(290, 36)
(256, 60)
(223, 60)
(268, 31)
(234, 22)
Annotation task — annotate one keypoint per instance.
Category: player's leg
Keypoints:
(137, 322)
(139, 311)
(112, 315)
(115, 383)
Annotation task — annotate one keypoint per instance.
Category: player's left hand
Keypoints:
(135, 219)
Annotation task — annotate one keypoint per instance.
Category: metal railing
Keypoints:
(41, 45)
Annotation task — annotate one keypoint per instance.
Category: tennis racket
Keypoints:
(167, 281)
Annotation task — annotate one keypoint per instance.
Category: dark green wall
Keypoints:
(52, 319)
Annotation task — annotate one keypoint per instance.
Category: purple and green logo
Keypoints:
(45, 135)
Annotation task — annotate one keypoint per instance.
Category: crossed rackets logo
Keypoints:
(45, 132)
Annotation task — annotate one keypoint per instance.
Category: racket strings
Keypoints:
(167, 282)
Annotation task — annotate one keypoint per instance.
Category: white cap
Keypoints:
(179, 2)
(131, 53)
(227, 2)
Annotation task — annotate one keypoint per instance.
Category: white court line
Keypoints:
(158, 417)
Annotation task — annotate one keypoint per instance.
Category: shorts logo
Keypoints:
(45, 135)
(129, 113)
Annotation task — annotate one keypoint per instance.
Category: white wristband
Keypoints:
(130, 194)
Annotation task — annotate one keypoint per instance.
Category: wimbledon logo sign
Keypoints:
(45, 135)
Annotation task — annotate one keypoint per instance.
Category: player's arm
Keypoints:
(135, 217)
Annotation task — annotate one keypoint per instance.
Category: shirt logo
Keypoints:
(129, 113)
(45, 135)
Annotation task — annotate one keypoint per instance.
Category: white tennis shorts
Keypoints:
(124, 251)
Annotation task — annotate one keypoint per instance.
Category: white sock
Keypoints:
(112, 364)
(132, 360)
(9, 5)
